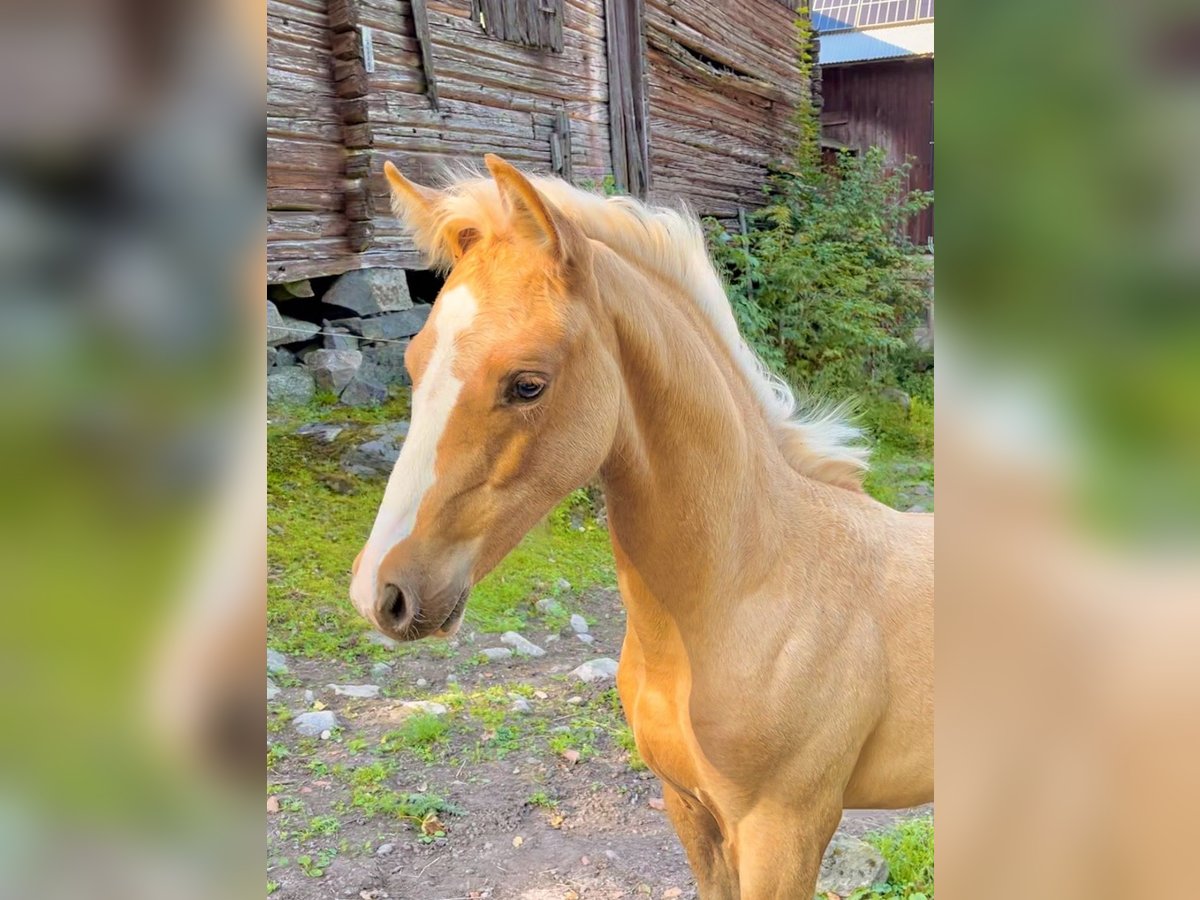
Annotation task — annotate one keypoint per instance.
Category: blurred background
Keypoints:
(1068, 433)
(132, 448)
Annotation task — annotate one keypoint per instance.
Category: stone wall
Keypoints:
(346, 335)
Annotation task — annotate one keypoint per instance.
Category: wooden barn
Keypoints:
(876, 84)
(673, 99)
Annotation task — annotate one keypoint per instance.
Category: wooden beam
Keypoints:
(421, 23)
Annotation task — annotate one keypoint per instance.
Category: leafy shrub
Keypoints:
(823, 285)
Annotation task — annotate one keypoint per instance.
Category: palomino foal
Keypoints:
(778, 660)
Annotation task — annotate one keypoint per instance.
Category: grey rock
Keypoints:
(276, 662)
(918, 508)
(364, 392)
(291, 385)
(424, 706)
(309, 696)
(272, 690)
(579, 624)
(381, 671)
(385, 363)
(603, 669)
(290, 290)
(272, 355)
(562, 584)
(339, 339)
(495, 654)
(385, 850)
(586, 638)
(921, 490)
(320, 431)
(421, 682)
(450, 679)
(521, 646)
(357, 691)
(334, 369)
(850, 864)
(352, 325)
(311, 724)
(283, 329)
(392, 326)
(371, 291)
(382, 640)
(395, 432)
(284, 358)
(371, 458)
(521, 705)
(548, 606)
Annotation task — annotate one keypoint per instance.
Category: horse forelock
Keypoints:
(818, 440)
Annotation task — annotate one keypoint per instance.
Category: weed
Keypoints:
(541, 800)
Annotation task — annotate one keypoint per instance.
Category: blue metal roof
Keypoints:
(894, 42)
(856, 15)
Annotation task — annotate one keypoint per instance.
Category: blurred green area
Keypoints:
(1068, 231)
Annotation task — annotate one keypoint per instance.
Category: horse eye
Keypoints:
(526, 389)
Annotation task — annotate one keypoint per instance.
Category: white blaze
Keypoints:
(413, 474)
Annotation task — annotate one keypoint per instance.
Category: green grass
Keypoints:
(908, 848)
(318, 519)
(420, 733)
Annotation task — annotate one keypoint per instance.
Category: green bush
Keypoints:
(824, 284)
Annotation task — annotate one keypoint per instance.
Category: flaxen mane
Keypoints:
(818, 442)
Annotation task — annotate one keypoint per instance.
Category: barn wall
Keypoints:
(723, 88)
(304, 137)
(889, 105)
(721, 84)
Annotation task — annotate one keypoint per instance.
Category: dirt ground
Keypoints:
(540, 805)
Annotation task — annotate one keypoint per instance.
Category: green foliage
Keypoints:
(908, 848)
(823, 285)
(420, 733)
(541, 800)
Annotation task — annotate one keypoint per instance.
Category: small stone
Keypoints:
(290, 289)
(672, 893)
(272, 690)
(548, 606)
(309, 696)
(586, 638)
(579, 624)
(560, 729)
(357, 691)
(385, 849)
(382, 640)
(339, 339)
(370, 291)
(371, 458)
(917, 508)
(850, 864)
(521, 705)
(363, 392)
(312, 724)
(276, 662)
(424, 706)
(283, 329)
(451, 678)
(393, 326)
(291, 385)
(611, 855)
(320, 431)
(603, 669)
(575, 701)
(334, 369)
(562, 584)
(520, 645)
(421, 682)
(921, 490)
(541, 695)
(381, 670)
(495, 654)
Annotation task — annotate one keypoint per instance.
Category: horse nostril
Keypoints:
(395, 608)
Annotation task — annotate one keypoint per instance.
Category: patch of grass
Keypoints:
(419, 733)
(541, 800)
(322, 826)
(625, 741)
(315, 529)
(908, 848)
(901, 447)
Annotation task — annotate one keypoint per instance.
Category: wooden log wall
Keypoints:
(723, 84)
(720, 83)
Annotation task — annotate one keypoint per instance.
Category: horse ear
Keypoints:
(533, 217)
(412, 202)
(417, 206)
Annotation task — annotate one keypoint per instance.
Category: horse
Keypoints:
(777, 665)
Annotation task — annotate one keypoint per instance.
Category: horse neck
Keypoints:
(688, 481)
